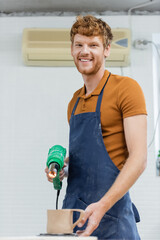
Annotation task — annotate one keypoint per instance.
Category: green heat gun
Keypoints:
(55, 162)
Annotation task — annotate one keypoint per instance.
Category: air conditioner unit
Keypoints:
(51, 47)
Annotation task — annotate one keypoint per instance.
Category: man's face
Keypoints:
(89, 54)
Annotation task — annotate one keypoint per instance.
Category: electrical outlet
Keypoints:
(140, 44)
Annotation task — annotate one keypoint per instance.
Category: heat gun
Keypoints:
(55, 162)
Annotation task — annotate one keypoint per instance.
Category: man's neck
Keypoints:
(91, 81)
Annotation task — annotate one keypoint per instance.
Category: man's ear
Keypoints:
(107, 51)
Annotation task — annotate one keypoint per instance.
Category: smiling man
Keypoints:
(107, 145)
(89, 63)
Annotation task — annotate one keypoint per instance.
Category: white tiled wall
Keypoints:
(33, 117)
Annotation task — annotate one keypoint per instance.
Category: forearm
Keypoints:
(131, 171)
(135, 129)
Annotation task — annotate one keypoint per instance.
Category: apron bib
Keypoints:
(92, 173)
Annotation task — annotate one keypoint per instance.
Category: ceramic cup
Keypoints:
(61, 221)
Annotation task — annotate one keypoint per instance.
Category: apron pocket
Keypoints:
(107, 217)
(69, 202)
(108, 228)
(81, 204)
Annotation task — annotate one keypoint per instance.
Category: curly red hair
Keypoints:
(92, 26)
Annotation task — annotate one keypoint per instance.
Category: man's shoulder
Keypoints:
(76, 93)
(123, 82)
(123, 79)
(74, 97)
(130, 96)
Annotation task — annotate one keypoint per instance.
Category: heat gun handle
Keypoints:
(57, 184)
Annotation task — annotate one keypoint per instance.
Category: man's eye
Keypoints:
(78, 45)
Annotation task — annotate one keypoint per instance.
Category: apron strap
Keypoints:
(100, 96)
(74, 109)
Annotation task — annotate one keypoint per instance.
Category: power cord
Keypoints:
(139, 43)
(141, 5)
(58, 192)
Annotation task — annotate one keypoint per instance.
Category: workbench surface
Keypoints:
(49, 238)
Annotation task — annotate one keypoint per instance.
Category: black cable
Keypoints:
(155, 128)
(58, 192)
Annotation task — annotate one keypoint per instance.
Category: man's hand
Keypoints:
(63, 173)
(94, 213)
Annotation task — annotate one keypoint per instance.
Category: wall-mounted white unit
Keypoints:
(120, 48)
(51, 47)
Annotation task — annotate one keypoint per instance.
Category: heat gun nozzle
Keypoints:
(52, 173)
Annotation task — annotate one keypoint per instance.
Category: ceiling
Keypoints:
(77, 6)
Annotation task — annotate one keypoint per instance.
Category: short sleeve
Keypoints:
(69, 111)
(72, 103)
(131, 99)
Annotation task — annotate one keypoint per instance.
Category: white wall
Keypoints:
(33, 117)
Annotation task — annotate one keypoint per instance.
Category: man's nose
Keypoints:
(85, 49)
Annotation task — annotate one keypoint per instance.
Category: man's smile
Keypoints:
(85, 60)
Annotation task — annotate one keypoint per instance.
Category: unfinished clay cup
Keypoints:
(61, 221)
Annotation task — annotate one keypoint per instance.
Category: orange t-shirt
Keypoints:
(122, 97)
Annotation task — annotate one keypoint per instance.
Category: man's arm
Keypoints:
(135, 129)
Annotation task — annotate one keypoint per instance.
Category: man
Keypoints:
(107, 146)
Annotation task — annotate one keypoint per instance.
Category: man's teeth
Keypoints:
(85, 60)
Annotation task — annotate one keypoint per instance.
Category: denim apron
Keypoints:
(92, 173)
